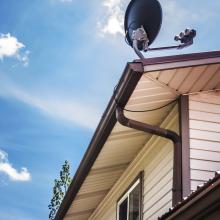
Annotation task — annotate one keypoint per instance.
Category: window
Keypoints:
(128, 207)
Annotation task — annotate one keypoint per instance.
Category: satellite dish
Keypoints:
(142, 24)
(146, 14)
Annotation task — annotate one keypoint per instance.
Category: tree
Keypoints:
(59, 190)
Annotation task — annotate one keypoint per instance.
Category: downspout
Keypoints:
(174, 137)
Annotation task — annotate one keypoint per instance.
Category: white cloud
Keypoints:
(24, 58)
(5, 167)
(113, 22)
(68, 110)
(11, 47)
(111, 3)
(175, 16)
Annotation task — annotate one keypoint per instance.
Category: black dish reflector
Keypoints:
(143, 13)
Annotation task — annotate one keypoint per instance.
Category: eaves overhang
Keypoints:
(132, 92)
(127, 83)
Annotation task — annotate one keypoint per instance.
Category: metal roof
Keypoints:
(180, 210)
(145, 84)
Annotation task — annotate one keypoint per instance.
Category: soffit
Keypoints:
(188, 79)
(155, 88)
(121, 147)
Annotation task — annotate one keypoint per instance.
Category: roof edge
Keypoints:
(179, 58)
(205, 198)
(127, 83)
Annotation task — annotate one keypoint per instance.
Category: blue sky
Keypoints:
(59, 63)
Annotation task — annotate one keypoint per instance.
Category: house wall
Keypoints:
(204, 115)
(156, 160)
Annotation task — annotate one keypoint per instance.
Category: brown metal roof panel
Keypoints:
(207, 196)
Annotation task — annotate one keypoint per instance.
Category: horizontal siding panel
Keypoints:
(205, 155)
(205, 135)
(156, 208)
(162, 210)
(159, 177)
(204, 165)
(204, 116)
(163, 177)
(201, 175)
(204, 107)
(205, 145)
(205, 126)
(154, 168)
(158, 181)
(155, 195)
(207, 97)
(162, 170)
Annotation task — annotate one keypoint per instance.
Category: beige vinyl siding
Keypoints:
(158, 185)
(158, 177)
(156, 160)
(204, 116)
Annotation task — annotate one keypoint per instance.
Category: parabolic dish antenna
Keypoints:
(146, 14)
(143, 19)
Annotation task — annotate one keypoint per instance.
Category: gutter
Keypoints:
(129, 80)
(174, 137)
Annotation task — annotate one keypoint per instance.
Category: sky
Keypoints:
(59, 63)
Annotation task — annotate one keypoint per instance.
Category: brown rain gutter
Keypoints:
(174, 137)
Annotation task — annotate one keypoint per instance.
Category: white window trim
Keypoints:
(126, 195)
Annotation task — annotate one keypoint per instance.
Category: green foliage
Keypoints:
(59, 190)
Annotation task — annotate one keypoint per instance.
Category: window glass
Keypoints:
(123, 210)
(129, 205)
(134, 203)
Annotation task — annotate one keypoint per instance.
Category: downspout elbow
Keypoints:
(121, 118)
(173, 136)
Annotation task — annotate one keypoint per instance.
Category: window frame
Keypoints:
(137, 180)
